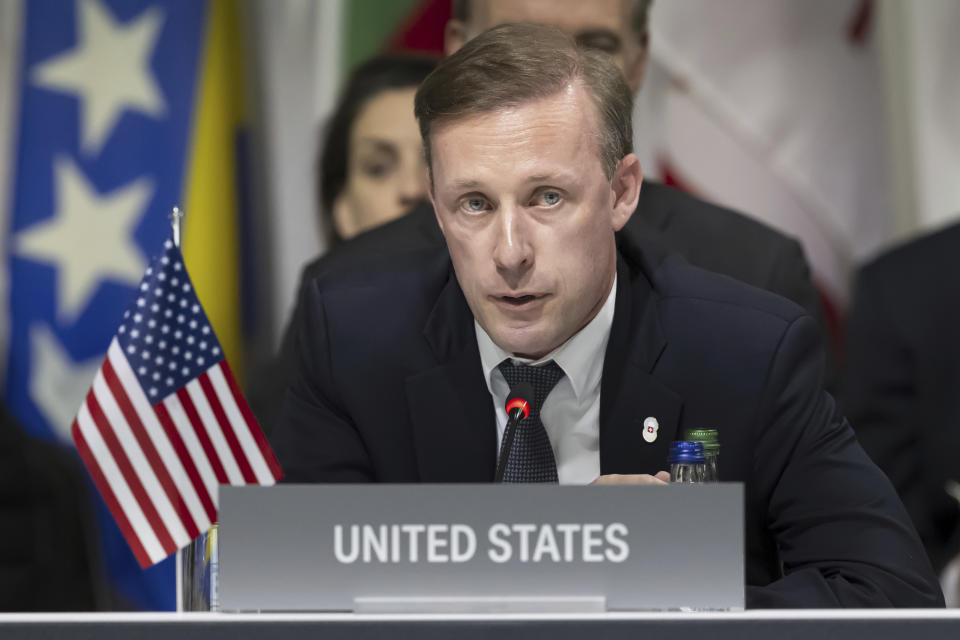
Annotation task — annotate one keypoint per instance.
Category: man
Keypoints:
(903, 384)
(708, 236)
(405, 364)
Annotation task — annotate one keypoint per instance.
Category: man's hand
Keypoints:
(662, 477)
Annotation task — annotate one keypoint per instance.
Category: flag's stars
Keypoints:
(108, 69)
(88, 238)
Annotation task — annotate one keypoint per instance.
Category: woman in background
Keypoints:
(370, 170)
(371, 166)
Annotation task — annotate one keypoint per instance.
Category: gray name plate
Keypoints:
(481, 547)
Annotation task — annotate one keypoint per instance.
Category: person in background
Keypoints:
(902, 390)
(371, 167)
(370, 170)
(49, 559)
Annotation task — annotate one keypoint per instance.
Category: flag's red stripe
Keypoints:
(214, 401)
(107, 493)
(254, 427)
(146, 505)
(153, 457)
(167, 423)
(202, 436)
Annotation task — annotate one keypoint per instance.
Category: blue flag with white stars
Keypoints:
(99, 107)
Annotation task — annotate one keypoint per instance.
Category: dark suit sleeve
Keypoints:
(315, 440)
(791, 278)
(843, 535)
(882, 400)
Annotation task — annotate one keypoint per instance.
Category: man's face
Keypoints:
(599, 24)
(529, 217)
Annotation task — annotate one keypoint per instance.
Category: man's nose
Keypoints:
(513, 253)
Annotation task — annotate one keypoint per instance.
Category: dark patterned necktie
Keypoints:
(530, 458)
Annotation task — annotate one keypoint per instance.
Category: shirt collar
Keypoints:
(580, 357)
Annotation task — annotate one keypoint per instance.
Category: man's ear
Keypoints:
(344, 221)
(626, 183)
(454, 36)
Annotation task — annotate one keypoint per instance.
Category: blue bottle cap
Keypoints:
(683, 452)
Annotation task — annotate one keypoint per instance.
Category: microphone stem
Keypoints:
(513, 419)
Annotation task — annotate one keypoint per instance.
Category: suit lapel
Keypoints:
(630, 394)
(450, 406)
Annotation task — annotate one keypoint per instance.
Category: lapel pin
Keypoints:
(650, 428)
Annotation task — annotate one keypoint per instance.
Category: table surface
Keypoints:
(822, 624)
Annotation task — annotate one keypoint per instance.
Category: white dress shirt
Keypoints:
(571, 413)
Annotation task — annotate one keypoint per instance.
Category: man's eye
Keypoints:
(547, 198)
(474, 205)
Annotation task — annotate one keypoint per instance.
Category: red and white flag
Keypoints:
(774, 108)
(165, 422)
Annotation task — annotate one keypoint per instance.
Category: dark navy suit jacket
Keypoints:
(903, 386)
(390, 389)
(708, 236)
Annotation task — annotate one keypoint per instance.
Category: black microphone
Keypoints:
(517, 408)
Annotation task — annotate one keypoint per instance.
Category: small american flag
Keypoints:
(165, 422)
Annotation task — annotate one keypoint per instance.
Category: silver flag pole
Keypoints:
(175, 217)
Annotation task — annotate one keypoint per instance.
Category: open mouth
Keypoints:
(518, 301)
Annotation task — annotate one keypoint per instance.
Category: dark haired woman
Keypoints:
(371, 168)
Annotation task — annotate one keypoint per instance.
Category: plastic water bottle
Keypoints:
(687, 463)
(710, 440)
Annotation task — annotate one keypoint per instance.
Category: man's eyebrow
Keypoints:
(465, 184)
(600, 39)
(549, 177)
